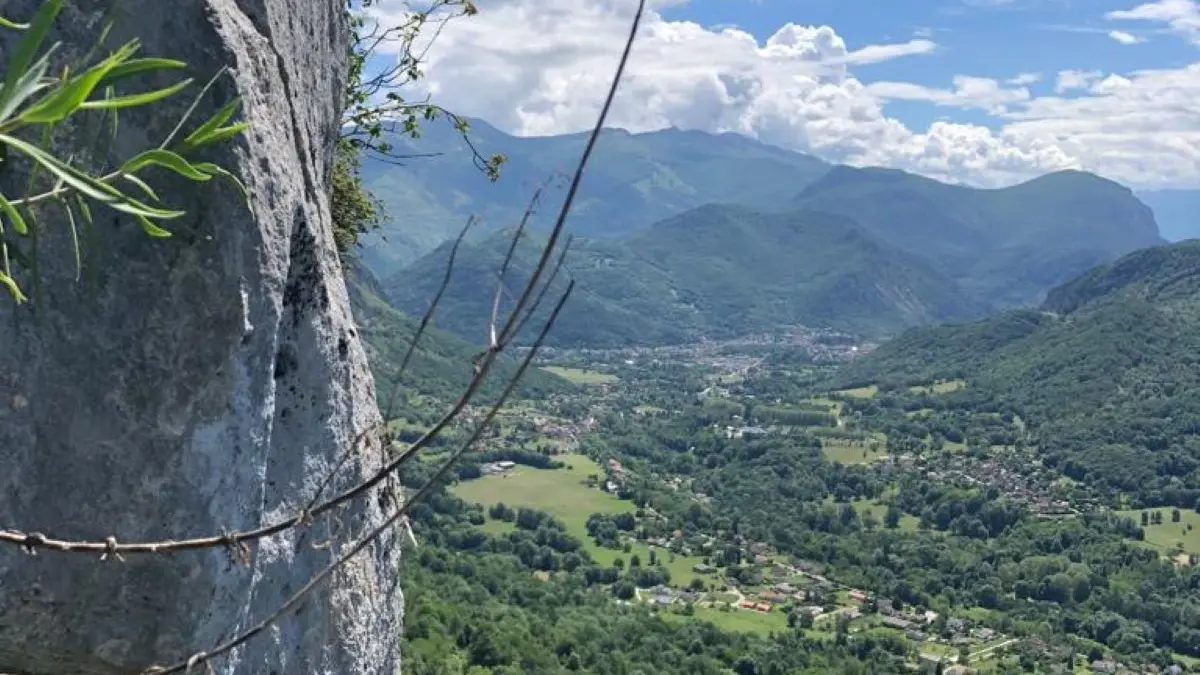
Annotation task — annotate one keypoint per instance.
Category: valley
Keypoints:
(769, 489)
(870, 424)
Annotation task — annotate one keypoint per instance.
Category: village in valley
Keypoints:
(720, 576)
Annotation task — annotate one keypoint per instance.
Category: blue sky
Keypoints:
(982, 38)
(982, 92)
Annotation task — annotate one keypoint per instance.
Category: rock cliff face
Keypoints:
(201, 383)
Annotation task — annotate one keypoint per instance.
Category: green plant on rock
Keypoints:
(377, 104)
(354, 210)
(33, 102)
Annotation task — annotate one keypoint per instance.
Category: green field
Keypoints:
(844, 452)
(1171, 536)
(861, 392)
(735, 620)
(581, 375)
(939, 387)
(562, 494)
(908, 523)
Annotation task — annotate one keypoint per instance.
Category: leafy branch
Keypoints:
(376, 104)
(33, 102)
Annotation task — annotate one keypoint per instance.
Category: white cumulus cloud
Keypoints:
(1124, 37)
(536, 67)
(1180, 16)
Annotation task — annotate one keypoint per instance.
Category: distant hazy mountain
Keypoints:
(633, 180)
(1006, 246)
(713, 271)
(1177, 212)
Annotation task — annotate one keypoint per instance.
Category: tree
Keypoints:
(891, 518)
(377, 104)
(1175, 515)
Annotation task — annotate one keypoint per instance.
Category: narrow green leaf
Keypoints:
(87, 185)
(14, 216)
(133, 67)
(74, 237)
(35, 271)
(142, 185)
(152, 229)
(135, 100)
(218, 135)
(13, 288)
(69, 96)
(89, 234)
(18, 64)
(165, 159)
(26, 86)
(212, 124)
(214, 170)
(5, 23)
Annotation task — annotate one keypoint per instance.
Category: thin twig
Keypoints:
(512, 248)
(537, 302)
(576, 179)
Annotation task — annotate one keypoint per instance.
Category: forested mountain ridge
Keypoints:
(1104, 374)
(713, 271)
(632, 181)
(1004, 245)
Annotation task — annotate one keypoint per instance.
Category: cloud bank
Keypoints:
(538, 67)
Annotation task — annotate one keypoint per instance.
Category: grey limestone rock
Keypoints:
(196, 384)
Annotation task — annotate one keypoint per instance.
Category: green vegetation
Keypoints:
(35, 102)
(441, 365)
(1170, 530)
(734, 620)
(937, 387)
(559, 492)
(581, 375)
(868, 391)
(845, 451)
(1103, 376)
(563, 494)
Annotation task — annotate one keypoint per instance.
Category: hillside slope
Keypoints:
(1105, 374)
(441, 365)
(714, 271)
(633, 180)
(1006, 245)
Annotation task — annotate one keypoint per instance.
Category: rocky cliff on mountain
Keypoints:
(198, 384)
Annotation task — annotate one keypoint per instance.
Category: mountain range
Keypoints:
(684, 234)
(715, 271)
(632, 181)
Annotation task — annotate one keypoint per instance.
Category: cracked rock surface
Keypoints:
(196, 384)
